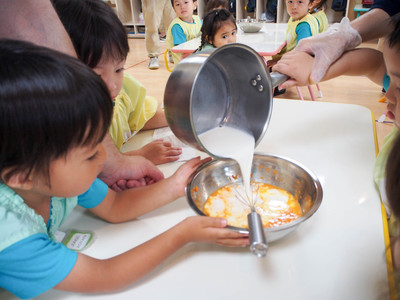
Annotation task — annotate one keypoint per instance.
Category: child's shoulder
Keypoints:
(17, 220)
(309, 19)
(131, 84)
(196, 19)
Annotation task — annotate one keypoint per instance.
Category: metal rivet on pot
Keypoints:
(254, 82)
(258, 77)
(260, 88)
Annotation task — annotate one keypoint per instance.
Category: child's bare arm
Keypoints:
(129, 204)
(93, 275)
(158, 152)
(361, 61)
(157, 121)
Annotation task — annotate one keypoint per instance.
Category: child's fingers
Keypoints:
(238, 242)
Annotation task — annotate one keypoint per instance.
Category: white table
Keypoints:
(268, 41)
(339, 253)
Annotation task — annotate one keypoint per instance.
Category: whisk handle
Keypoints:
(258, 241)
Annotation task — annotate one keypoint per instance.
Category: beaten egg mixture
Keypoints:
(276, 206)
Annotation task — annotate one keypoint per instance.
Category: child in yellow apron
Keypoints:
(101, 42)
(184, 27)
(317, 11)
(301, 25)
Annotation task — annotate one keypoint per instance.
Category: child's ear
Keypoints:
(209, 40)
(18, 181)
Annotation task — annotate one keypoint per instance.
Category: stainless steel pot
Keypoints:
(228, 86)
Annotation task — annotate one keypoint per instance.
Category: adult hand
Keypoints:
(125, 172)
(328, 46)
(297, 65)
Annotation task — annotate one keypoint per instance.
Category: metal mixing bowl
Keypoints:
(269, 169)
(250, 25)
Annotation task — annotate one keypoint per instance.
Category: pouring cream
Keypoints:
(229, 142)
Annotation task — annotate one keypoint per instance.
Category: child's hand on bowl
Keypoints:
(210, 230)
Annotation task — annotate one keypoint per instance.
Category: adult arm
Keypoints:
(372, 25)
(328, 46)
(35, 21)
(360, 61)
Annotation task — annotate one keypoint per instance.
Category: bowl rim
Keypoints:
(304, 217)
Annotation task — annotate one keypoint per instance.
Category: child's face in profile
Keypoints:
(226, 34)
(297, 9)
(74, 173)
(184, 9)
(392, 62)
(112, 73)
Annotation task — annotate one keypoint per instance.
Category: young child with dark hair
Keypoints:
(317, 10)
(215, 4)
(219, 28)
(54, 114)
(101, 42)
(301, 25)
(185, 27)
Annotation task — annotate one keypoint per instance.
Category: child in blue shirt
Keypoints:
(54, 114)
(301, 25)
(184, 27)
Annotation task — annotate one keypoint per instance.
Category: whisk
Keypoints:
(258, 241)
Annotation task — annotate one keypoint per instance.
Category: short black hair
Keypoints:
(212, 22)
(213, 4)
(94, 28)
(49, 103)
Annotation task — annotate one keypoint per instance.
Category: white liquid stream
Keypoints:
(229, 142)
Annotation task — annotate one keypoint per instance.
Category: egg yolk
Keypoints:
(276, 206)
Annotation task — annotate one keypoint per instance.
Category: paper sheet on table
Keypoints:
(166, 134)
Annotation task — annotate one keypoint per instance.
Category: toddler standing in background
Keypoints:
(184, 27)
(317, 10)
(54, 114)
(219, 28)
(101, 42)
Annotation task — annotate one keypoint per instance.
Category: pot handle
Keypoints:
(277, 78)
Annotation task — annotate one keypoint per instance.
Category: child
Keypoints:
(215, 4)
(184, 27)
(54, 113)
(219, 28)
(301, 25)
(101, 42)
(317, 11)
